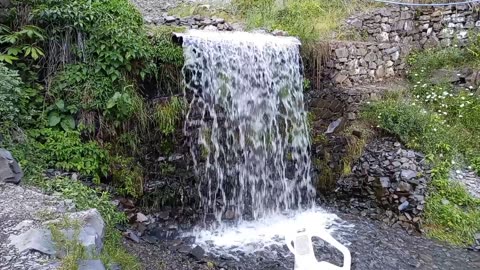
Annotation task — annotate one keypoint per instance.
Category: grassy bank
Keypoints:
(443, 121)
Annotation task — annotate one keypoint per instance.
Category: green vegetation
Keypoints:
(74, 82)
(86, 198)
(430, 118)
(307, 19)
(169, 114)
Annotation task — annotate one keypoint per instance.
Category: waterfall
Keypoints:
(247, 122)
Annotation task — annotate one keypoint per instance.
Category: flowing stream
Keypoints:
(250, 138)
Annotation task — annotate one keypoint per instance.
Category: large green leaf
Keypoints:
(53, 119)
(60, 104)
(68, 123)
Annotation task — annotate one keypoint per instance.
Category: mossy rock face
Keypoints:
(335, 154)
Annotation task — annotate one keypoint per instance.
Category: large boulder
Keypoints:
(92, 230)
(34, 240)
(10, 171)
(89, 233)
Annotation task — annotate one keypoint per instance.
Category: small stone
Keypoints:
(198, 253)
(408, 174)
(210, 28)
(341, 52)
(385, 182)
(141, 218)
(132, 236)
(404, 187)
(335, 125)
(403, 206)
(170, 19)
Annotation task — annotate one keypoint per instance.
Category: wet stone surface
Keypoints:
(373, 245)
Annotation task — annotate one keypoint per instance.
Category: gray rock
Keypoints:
(210, 28)
(132, 236)
(408, 174)
(34, 240)
(279, 33)
(219, 20)
(92, 229)
(385, 182)
(10, 171)
(403, 206)
(404, 187)
(334, 125)
(91, 265)
(141, 217)
(197, 252)
(170, 19)
(341, 52)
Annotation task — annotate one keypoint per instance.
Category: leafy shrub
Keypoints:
(119, 107)
(23, 43)
(10, 92)
(127, 175)
(410, 122)
(86, 198)
(65, 150)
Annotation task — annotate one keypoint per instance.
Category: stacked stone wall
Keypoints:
(423, 27)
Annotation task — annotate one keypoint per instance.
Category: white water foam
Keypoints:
(249, 237)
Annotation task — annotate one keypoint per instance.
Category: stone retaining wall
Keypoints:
(192, 22)
(355, 63)
(421, 26)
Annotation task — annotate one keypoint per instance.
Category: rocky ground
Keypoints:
(373, 244)
(24, 209)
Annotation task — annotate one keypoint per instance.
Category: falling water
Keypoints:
(248, 123)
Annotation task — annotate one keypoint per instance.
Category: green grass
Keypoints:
(430, 118)
(310, 20)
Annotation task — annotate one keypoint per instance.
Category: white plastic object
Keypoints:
(304, 253)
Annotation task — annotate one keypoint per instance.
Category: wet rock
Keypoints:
(279, 33)
(198, 253)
